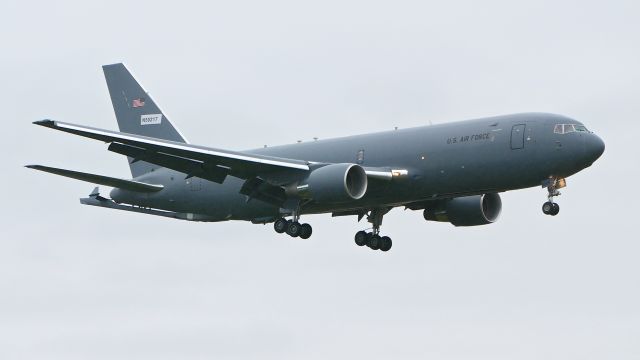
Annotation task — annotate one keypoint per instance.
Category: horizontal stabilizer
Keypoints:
(130, 185)
(110, 204)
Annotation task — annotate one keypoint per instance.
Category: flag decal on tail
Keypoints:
(139, 102)
(150, 119)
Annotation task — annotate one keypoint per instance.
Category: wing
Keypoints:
(265, 175)
(131, 185)
(208, 163)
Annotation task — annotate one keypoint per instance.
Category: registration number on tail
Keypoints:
(150, 119)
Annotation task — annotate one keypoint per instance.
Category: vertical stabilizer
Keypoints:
(136, 112)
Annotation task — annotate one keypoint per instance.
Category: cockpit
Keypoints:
(569, 128)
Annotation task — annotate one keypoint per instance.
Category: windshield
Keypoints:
(569, 128)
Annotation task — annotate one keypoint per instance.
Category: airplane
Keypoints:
(453, 172)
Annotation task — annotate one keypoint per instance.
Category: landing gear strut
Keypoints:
(550, 207)
(373, 239)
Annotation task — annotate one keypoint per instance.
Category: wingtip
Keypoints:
(45, 122)
(32, 166)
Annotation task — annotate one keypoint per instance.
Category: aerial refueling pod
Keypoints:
(466, 210)
(335, 183)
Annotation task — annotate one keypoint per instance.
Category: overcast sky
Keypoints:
(80, 282)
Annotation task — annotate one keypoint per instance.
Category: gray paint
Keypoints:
(99, 179)
(447, 170)
(130, 102)
(472, 157)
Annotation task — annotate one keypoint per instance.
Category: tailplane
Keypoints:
(137, 113)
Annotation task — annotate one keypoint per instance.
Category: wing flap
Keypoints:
(130, 185)
(256, 188)
(190, 167)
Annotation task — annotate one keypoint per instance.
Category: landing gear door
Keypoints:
(517, 136)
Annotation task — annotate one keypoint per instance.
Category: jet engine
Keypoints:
(335, 183)
(466, 210)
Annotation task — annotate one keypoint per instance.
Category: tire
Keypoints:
(305, 231)
(361, 238)
(374, 242)
(547, 207)
(385, 243)
(555, 209)
(294, 229)
(280, 225)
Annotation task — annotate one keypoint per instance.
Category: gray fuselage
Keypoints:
(471, 157)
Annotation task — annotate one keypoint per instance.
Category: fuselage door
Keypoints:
(517, 136)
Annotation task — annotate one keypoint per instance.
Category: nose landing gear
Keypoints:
(550, 207)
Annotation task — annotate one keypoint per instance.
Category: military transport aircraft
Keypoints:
(453, 172)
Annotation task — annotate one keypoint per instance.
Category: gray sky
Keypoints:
(86, 283)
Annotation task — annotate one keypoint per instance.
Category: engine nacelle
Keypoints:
(467, 210)
(335, 183)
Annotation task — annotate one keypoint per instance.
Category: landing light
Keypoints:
(397, 173)
(560, 183)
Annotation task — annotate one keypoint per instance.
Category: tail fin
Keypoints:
(137, 113)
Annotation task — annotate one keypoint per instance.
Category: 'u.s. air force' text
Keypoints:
(467, 138)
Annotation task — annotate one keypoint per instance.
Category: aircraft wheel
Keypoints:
(547, 208)
(294, 229)
(374, 242)
(305, 231)
(385, 243)
(361, 238)
(555, 209)
(280, 225)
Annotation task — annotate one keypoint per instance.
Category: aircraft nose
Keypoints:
(594, 147)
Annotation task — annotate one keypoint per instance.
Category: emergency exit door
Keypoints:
(517, 136)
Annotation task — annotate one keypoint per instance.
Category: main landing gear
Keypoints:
(293, 228)
(373, 239)
(550, 207)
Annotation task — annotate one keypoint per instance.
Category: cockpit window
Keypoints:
(569, 128)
